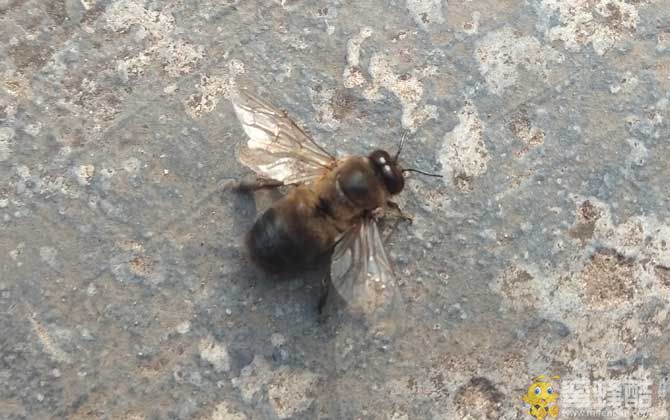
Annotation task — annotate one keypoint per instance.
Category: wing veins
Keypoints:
(282, 118)
(277, 147)
(287, 148)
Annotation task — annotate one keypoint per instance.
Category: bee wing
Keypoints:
(362, 275)
(277, 147)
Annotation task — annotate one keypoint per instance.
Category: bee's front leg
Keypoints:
(257, 184)
(391, 209)
(396, 211)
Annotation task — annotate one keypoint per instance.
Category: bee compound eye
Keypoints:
(387, 170)
(382, 160)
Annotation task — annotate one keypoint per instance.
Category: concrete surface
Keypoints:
(124, 293)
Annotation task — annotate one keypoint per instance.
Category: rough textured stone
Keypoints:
(125, 292)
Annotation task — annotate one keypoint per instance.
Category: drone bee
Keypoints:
(330, 214)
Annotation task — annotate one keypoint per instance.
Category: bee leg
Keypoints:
(392, 231)
(257, 184)
(393, 210)
(398, 212)
(325, 288)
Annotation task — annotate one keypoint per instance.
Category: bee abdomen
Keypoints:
(276, 246)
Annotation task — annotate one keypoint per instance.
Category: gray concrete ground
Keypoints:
(125, 294)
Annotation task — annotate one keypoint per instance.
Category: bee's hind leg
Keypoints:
(256, 184)
(325, 288)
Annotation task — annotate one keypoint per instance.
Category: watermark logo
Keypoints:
(633, 395)
(542, 397)
(628, 396)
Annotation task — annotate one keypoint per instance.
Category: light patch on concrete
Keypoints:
(659, 246)
(48, 255)
(6, 136)
(16, 253)
(177, 56)
(15, 84)
(407, 87)
(322, 101)
(600, 23)
(626, 269)
(215, 353)
(107, 172)
(180, 57)
(289, 391)
(131, 165)
(277, 339)
(638, 153)
(225, 411)
(33, 129)
(13, 408)
(132, 416)
(464, 155)
(288, 5)
(650, 122)
(212, 89)
(253, 378)
(471, 27)
(9, 110)
(626, 237)
(608, 281)
(84, 174)
(530, 136)
(295, 42)
(526, 287)
(621, 274)
(33, 183)
(663, 42)
(593, 340)
(87, 4)
(626, 84)
(132, 67)
(48, 343)
(292, 391)
(629, 238)
(643, 241)
(397, 415)
(426, 12)
(353, 74)
(183, 327)
(500, 53)
(518, 287)
(471, 390)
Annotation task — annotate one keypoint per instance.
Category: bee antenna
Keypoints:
(402, 142)
(421, 172)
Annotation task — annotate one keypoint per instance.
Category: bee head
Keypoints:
(389, 170)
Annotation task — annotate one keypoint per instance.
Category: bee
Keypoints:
(329, 217)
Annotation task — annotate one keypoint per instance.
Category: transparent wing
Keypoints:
(362, 275)
(277, 147)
